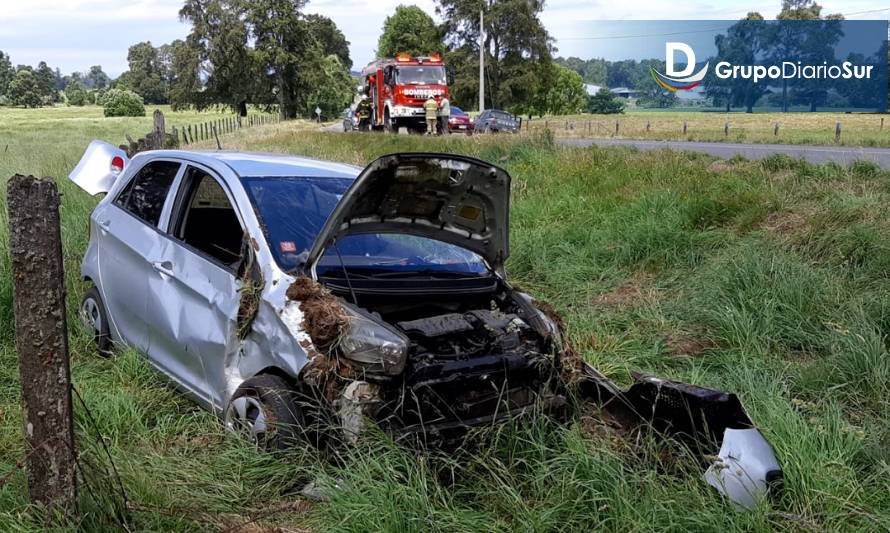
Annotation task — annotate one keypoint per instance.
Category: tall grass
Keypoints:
(762, 278)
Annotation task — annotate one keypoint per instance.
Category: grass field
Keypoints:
(767, 278)
(794, 128)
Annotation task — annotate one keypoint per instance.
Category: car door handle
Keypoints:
(105, 224)
(164, 267)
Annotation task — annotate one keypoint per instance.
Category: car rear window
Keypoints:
(145, 194)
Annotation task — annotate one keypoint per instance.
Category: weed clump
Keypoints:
(323, 316)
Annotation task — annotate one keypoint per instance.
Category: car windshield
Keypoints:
(457, 111)
(293, 210)
(420, 75)
(500, 115)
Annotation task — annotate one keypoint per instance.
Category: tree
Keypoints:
(24, 89)
(287, 51)
(409, 30)
(263, 52)
(565, 96)
(96, 78)
(812, 43)
(517, 49)
(7, 72)
(221, 36)
(744, 42)
(76, 94)
(593, 71)
(604, 102)
(803, 10)
(47, 82)
(331, 39)
(333, 88)
(145, 75)
(185, 74)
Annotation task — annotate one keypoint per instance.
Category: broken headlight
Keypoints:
(373, 346)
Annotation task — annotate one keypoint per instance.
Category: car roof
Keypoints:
(259, 164)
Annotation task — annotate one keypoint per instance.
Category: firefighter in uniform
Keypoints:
(363, 112)
(431, 108)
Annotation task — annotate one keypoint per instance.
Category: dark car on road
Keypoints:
(460, 122)
(496, 121)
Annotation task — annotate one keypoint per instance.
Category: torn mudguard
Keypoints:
(741, 464)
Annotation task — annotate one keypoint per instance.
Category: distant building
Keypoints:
(592, 89)
(624, 92)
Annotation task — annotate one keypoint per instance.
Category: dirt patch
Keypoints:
(568, 360)
(323, 316)
(687, 344)
(720, 166)
(625, 294)
(784, 223)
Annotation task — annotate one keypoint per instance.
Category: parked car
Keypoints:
(497, 121)
(460, 122)
(290, 295)
(350, 120)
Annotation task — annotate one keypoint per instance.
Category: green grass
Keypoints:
(857, 129)
(764, 278)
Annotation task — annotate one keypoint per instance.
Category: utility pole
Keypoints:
(481, 61)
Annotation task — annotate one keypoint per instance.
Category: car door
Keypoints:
(129, 239)
(193, 299)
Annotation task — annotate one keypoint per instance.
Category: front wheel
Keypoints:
(95, 318)
(265, 411)
(387, 122)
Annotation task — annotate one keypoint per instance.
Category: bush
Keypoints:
(604, 102)
(118, 103)
(76, 94)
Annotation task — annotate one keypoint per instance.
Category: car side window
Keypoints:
(145, 194)
(205, 219)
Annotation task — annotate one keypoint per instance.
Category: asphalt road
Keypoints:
(842, 155)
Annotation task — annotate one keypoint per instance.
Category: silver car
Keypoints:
(290, 294)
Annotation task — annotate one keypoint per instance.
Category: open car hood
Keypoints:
(450, 198)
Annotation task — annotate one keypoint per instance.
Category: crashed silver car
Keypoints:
(284, 293)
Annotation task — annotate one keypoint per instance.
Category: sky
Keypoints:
(75, 34)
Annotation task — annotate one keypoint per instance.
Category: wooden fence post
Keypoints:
(647, 126)
(35, 247)
(684, 127)
(726, 129)
(837, 131)
(159, 130)
(616, 127)
(882, 123)
(776, 130)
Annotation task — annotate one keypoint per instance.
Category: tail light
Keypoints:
(117, 164)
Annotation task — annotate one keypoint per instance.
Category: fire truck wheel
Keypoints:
(387, 122)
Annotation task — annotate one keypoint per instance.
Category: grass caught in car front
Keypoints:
(767, 279)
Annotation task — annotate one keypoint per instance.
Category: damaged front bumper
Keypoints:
(741, 464)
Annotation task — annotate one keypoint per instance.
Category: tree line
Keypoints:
(742, 43)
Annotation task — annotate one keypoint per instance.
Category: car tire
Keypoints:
(95, 318)
(264, 409)
(387, 122)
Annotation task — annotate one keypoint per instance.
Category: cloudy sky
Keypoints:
(74, 34)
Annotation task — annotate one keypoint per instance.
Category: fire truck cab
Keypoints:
(398, 88)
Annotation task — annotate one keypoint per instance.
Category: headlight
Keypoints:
(375, 347)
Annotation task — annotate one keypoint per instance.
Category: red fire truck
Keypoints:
(398, 88)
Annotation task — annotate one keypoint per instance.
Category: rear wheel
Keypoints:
(264, 410)
(387, 122)
(95, 318)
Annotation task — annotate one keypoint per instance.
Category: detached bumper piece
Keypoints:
(710, 422)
